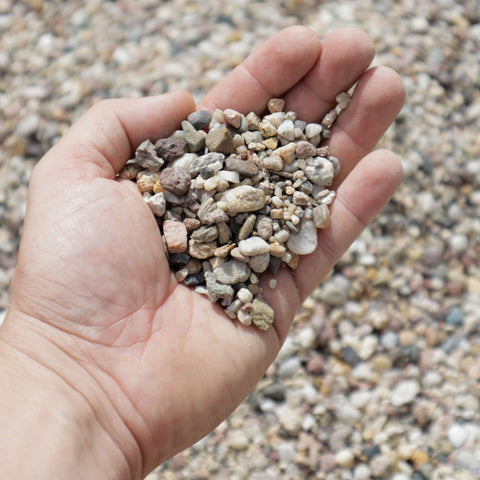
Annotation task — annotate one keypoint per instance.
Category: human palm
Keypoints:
(93, 274)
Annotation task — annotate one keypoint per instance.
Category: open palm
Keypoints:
(93, 274)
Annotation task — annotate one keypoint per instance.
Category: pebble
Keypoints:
(305, 241)
(456, 435)
(200, 119)
(175, 180)
(404, 392)
(253, 246)
(232, 272)
(175, 234)
(220, 140)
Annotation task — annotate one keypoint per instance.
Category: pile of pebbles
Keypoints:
(245, 197)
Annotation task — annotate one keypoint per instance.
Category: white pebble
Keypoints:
(305, 241)
(456, 435)
(253, 246)
(404, 392)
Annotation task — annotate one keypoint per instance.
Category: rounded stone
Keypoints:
(305, 241)
(253, 246)
(244, 199)
(175, 180)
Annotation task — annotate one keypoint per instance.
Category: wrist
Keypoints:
(55, 420)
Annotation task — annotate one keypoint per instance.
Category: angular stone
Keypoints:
(305, 241)
(191, 223)
(267, 129)
(276, 105)
(170, 148)
(253, 246)
(305, 149)
(200, 119)
(329, 118)
(175, 234)
(273, 162)
(238, 255)
(313, 130)
(244, 199)
(262, 314)
(300, 199)
(195, 140)
(220, 140)
(175, 180)
(287, 130)
(232, 117)
(217, 289)
(201, 251)
(264, 227)
(224, 232)
(157, 204)
(232, 272)
(321, 216)
(209, 213)
(205, 234)
(287, 152)
(146, 156)
(244, 167)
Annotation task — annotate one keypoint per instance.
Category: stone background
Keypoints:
(379, 377)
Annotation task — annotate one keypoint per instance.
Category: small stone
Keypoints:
(277, 250)
(191, 223)
(276, 105)
(175, 180)
(201, 251)
(247, 227)
(209, 213)
(289, 367)
(362, 472)
(262, 314)
(259, 263)
(238, 255)
(253, 121)
(244, 295)
(381, 466)
(404, 392)
(287, 130)
(170, 148)
(305, 241)
(264, 227)
(321, 216)
(205, 234)
(274, 163)
(232, 272)
(146, 156)
(315, 365)
(329, 118)
(178, 259)
(456, 435)
(270, 143)
(313, 129)
(288, 152)
(344, 458)
(232, 117)
(238, 440)
(224, 250)
(245, 318)
(200, 119)
(217, 289)
(220, 140)
(157, 204)
(305, 149)
(244, 199)
(300, 199)
(253, 246)
(343, 100)
(244, 167)
(224, 232)
(327, 462)
(195, 140)
(175, 236)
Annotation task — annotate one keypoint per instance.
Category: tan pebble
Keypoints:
(276, 213)
(201, 250)
(146, 181)
(216, 262)
(329, 118)
(255, 289)
(343, 99)
(419, 458)
(407, 338)
(181, 274)
(130, 171)
(224, 233)
(247, 227)
(175, 236)
(276, 105)
(277, 250)
(224, 250)
(267, 129)
(291, 259)
(245, 199)
(244, 318)
(321, 216)
(253, 121)
(259, 263)
(157, 188)
(220, 140)
(191, 223)
(381, 363)
(273, 163)
(287, 152)
(262, 314)
(270, 143)
(245, 295)
(289, 190)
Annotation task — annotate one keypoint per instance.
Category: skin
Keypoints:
(108, 366)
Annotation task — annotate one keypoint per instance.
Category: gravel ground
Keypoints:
(380, 376)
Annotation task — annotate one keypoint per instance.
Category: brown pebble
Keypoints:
(175, 180)
(191, 223)
(201, 251)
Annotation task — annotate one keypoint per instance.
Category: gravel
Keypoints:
(401, 308)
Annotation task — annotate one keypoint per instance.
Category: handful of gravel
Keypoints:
(245, 197)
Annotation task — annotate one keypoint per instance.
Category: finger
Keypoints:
(360, 198)
(270, 71)
(346, 54)
(105, 137)
(377, 99)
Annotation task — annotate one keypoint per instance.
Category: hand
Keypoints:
(146, 365)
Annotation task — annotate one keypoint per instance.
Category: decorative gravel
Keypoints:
(380, 374)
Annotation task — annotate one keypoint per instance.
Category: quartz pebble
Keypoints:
(237, 200)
